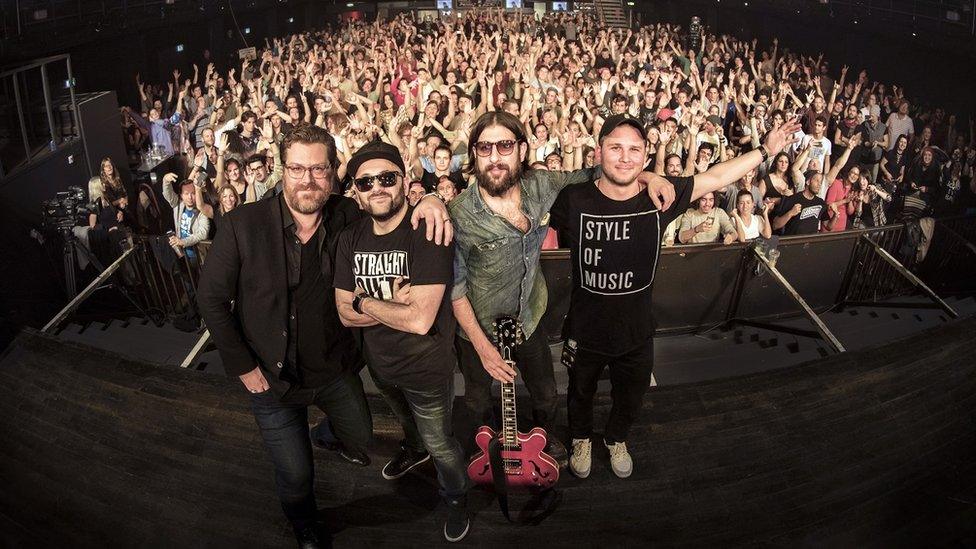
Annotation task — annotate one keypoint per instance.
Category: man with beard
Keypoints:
(500, 224)
(282, 338)
(391, 282)
(611, 229)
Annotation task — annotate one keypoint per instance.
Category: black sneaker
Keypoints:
(404, 460)
(458, 523)
(312, 537)
(354, 457)
(557, 450)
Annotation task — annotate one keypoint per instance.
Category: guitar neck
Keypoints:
(509, 423)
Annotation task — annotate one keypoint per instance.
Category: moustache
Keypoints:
(310, 188)
(375, 195)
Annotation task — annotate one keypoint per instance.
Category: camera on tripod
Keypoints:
(66, 209)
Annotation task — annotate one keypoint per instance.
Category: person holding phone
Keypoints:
(706, 223)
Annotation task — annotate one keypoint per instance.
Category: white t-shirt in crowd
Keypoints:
(899, 126)
(819, 149)
(754, 229)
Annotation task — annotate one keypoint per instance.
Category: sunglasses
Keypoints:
(386, 180)
(505, 148)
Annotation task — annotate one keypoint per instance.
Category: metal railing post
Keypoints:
(825, 332)
(910, 276)
(90, 289)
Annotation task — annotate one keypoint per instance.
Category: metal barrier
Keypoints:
(698, 287)
(164, 286)
(705, 286)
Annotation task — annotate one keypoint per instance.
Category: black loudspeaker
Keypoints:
(101, 132)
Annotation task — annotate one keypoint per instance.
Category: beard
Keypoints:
(396, 205)
(305, 204)
(503, 184)
(614, 178)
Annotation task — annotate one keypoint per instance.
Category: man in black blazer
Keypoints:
(266, 296)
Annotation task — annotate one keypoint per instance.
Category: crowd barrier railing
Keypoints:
(697, 287)
(705, 286)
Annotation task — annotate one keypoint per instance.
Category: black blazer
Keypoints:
(246, 264)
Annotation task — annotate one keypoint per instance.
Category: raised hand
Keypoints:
(782, 137)
(223, 143)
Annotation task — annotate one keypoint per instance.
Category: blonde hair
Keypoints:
(220, 195)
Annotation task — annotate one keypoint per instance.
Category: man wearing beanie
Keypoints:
(391, 282)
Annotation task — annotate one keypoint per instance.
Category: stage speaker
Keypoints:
(101, 128)
(695, 33)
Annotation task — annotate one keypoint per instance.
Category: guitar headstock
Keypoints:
(508, 336)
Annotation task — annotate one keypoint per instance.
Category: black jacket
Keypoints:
(246, 264)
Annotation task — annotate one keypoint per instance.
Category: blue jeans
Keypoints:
(284, 428)
(427, 425)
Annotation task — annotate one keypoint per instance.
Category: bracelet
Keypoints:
(763, 152)
(436, 195)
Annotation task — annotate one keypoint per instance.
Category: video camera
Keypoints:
(66, 209)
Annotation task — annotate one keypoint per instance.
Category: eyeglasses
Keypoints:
(386, 180)
(505, 148)
(297, 171)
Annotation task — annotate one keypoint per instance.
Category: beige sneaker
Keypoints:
(620, 460)
(579, 462)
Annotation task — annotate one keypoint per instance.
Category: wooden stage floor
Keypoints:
(874, 447)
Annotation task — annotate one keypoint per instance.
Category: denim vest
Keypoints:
(497, 266)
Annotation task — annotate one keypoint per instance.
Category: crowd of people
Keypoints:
(864, 156)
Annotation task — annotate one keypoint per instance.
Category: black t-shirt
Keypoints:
(614, 246)
(814, 211)
(374, 263)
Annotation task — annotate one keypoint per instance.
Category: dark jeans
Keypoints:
(427, 425)
(284, 428)
(630, 376)
(533, 360)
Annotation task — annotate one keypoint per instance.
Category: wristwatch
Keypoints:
(357, 303)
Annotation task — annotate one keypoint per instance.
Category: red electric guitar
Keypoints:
(523, 459)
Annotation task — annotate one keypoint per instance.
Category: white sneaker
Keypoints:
(620, 460)
(579, 462)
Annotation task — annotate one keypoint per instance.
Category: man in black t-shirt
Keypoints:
(390, 281)
(614, 233)
(803, 213)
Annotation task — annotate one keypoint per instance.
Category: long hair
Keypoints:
(113, 183)
(485, 121)
(220, 194)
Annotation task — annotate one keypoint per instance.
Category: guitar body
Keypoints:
(528, 467)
